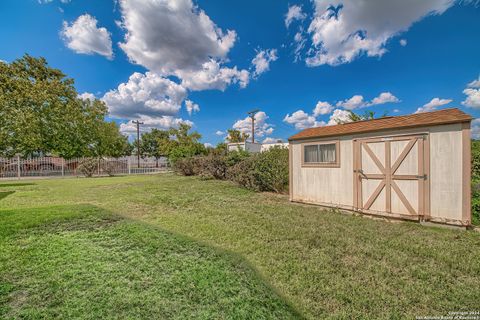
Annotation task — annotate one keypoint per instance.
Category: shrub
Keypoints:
(271, 170)
(476, 202)
(213, 166)
(475, 159)
(109, 167)
(476, 182)
(243, 173)
(186, 166)
(234, 157)
(267, 171)
(88, 166)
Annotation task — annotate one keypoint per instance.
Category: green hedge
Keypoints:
(266, 171)
(476, 182)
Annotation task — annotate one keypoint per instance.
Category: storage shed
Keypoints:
(412, 167)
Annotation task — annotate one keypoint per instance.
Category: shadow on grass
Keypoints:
(5, 194)
(92, 263)
(6, 185)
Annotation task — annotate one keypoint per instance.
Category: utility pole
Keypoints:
(252, 116)
(138, 123)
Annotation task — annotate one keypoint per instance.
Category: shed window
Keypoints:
(320, 153)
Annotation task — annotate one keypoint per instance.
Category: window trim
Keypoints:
(335, 164)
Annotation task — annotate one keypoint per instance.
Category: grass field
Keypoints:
(165, 246)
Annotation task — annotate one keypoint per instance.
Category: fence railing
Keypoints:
(18, 167)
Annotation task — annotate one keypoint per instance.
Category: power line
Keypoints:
(138, 123)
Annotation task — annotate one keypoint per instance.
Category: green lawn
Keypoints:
(166, 246)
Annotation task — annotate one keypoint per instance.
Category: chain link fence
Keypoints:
(18, 167)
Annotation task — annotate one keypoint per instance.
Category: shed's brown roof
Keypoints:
(445, 116)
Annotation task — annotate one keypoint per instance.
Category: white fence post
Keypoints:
(19, 173)
(128, 164)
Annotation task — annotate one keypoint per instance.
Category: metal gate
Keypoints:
(391, 176)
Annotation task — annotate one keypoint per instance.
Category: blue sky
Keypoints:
(167, 55)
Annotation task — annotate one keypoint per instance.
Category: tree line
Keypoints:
(42, 114)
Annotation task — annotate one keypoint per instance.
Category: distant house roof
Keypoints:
(446, 116)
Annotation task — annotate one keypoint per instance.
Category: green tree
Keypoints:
(110, 142)
(220, 149)
(42, 114)
(235, 136)
(153, 143)
(183, 143)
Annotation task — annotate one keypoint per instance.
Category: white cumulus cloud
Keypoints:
(474, 84)
(339, 116)
(213, 76)
(473, 94)
(433, 105)
(262, 60)
(176, 37)
(294, 13)
(342, 30)
(145, 95)
(353, 103)
(384, 97)
(322, 108)
(191, 107)
(262, 128)
(83, 36)
(357, 101)
(220, 133)
(302, 120)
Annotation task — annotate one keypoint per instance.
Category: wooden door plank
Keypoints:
(355, 175)
(374, 157)
(388, 177)
(360, 183)
(392, 138)
(405, 177)
(421, 183)
(403, 155)
(426, 169)
(374, 195)
(403, 198)
(373, 176)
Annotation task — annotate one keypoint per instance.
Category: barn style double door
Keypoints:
(391, 176)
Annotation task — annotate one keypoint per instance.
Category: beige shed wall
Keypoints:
(334, 186)
(446, 172)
